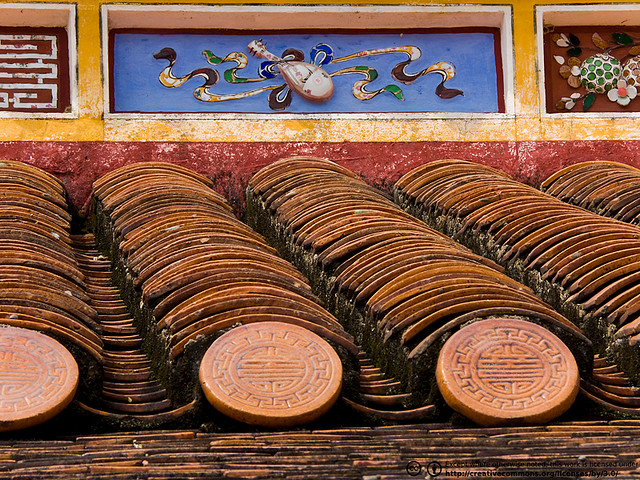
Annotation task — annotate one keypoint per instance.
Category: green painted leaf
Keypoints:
(588, 101)
(371, 73)
(211, 58)
(622, 38)
(396, 90)
(229, 76)
(574, 52)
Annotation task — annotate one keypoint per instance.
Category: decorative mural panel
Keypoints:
(592, 69)
(34, 72)
(453, 70)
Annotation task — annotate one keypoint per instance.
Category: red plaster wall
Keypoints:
(78, 164)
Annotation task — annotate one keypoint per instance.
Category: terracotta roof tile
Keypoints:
(43, 287)
(342, 453)
(356, 234)
(39, 378)
(271, 374)
(198, 289)
(362, 261)
(495, 370)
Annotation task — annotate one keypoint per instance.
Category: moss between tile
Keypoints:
(179, 376)
(482, 243)
(416, 376)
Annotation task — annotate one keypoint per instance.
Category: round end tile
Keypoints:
(38, 378)
(271, 374)
(505, 371)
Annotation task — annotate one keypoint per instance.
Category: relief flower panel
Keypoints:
(592, 69)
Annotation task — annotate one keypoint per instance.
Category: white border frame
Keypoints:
(46, 15)
(579, 15)
(317, 16)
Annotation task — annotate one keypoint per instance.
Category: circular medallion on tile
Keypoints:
(504, 371)
(38, 378)
(271, 374)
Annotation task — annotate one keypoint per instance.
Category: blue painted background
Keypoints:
(136, 87)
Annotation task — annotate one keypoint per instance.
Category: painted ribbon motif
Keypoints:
(291, 64)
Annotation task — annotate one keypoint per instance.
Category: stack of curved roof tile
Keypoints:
(411, 283)
(196, 269)
(581, 262)
(130, 394)
(42, 286)
(562, 449)
(611, 388)
(607, 188)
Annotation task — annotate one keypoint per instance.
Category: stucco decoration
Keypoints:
(592, 69)
(34, 73)
(421, 71)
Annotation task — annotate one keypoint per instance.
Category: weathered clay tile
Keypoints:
(204, 253)
(42, 284)
(584, 264)
(267, 277)
(127, 387)
(271, 374)
(179, 239)
(167, 454)
(343, 241)
(303, 202)
(169, 280)
(23, 198)
(134, 170)
(197, 269)
(120, 190)
(150, 233)
(605, 187)
(14, 255)
(39, 378)
(18, 183)
(488, 370)
(263, 179)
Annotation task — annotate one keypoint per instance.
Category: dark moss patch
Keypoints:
(483, 243)
(415, 376)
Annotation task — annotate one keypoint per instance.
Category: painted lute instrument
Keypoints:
(307, 80)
